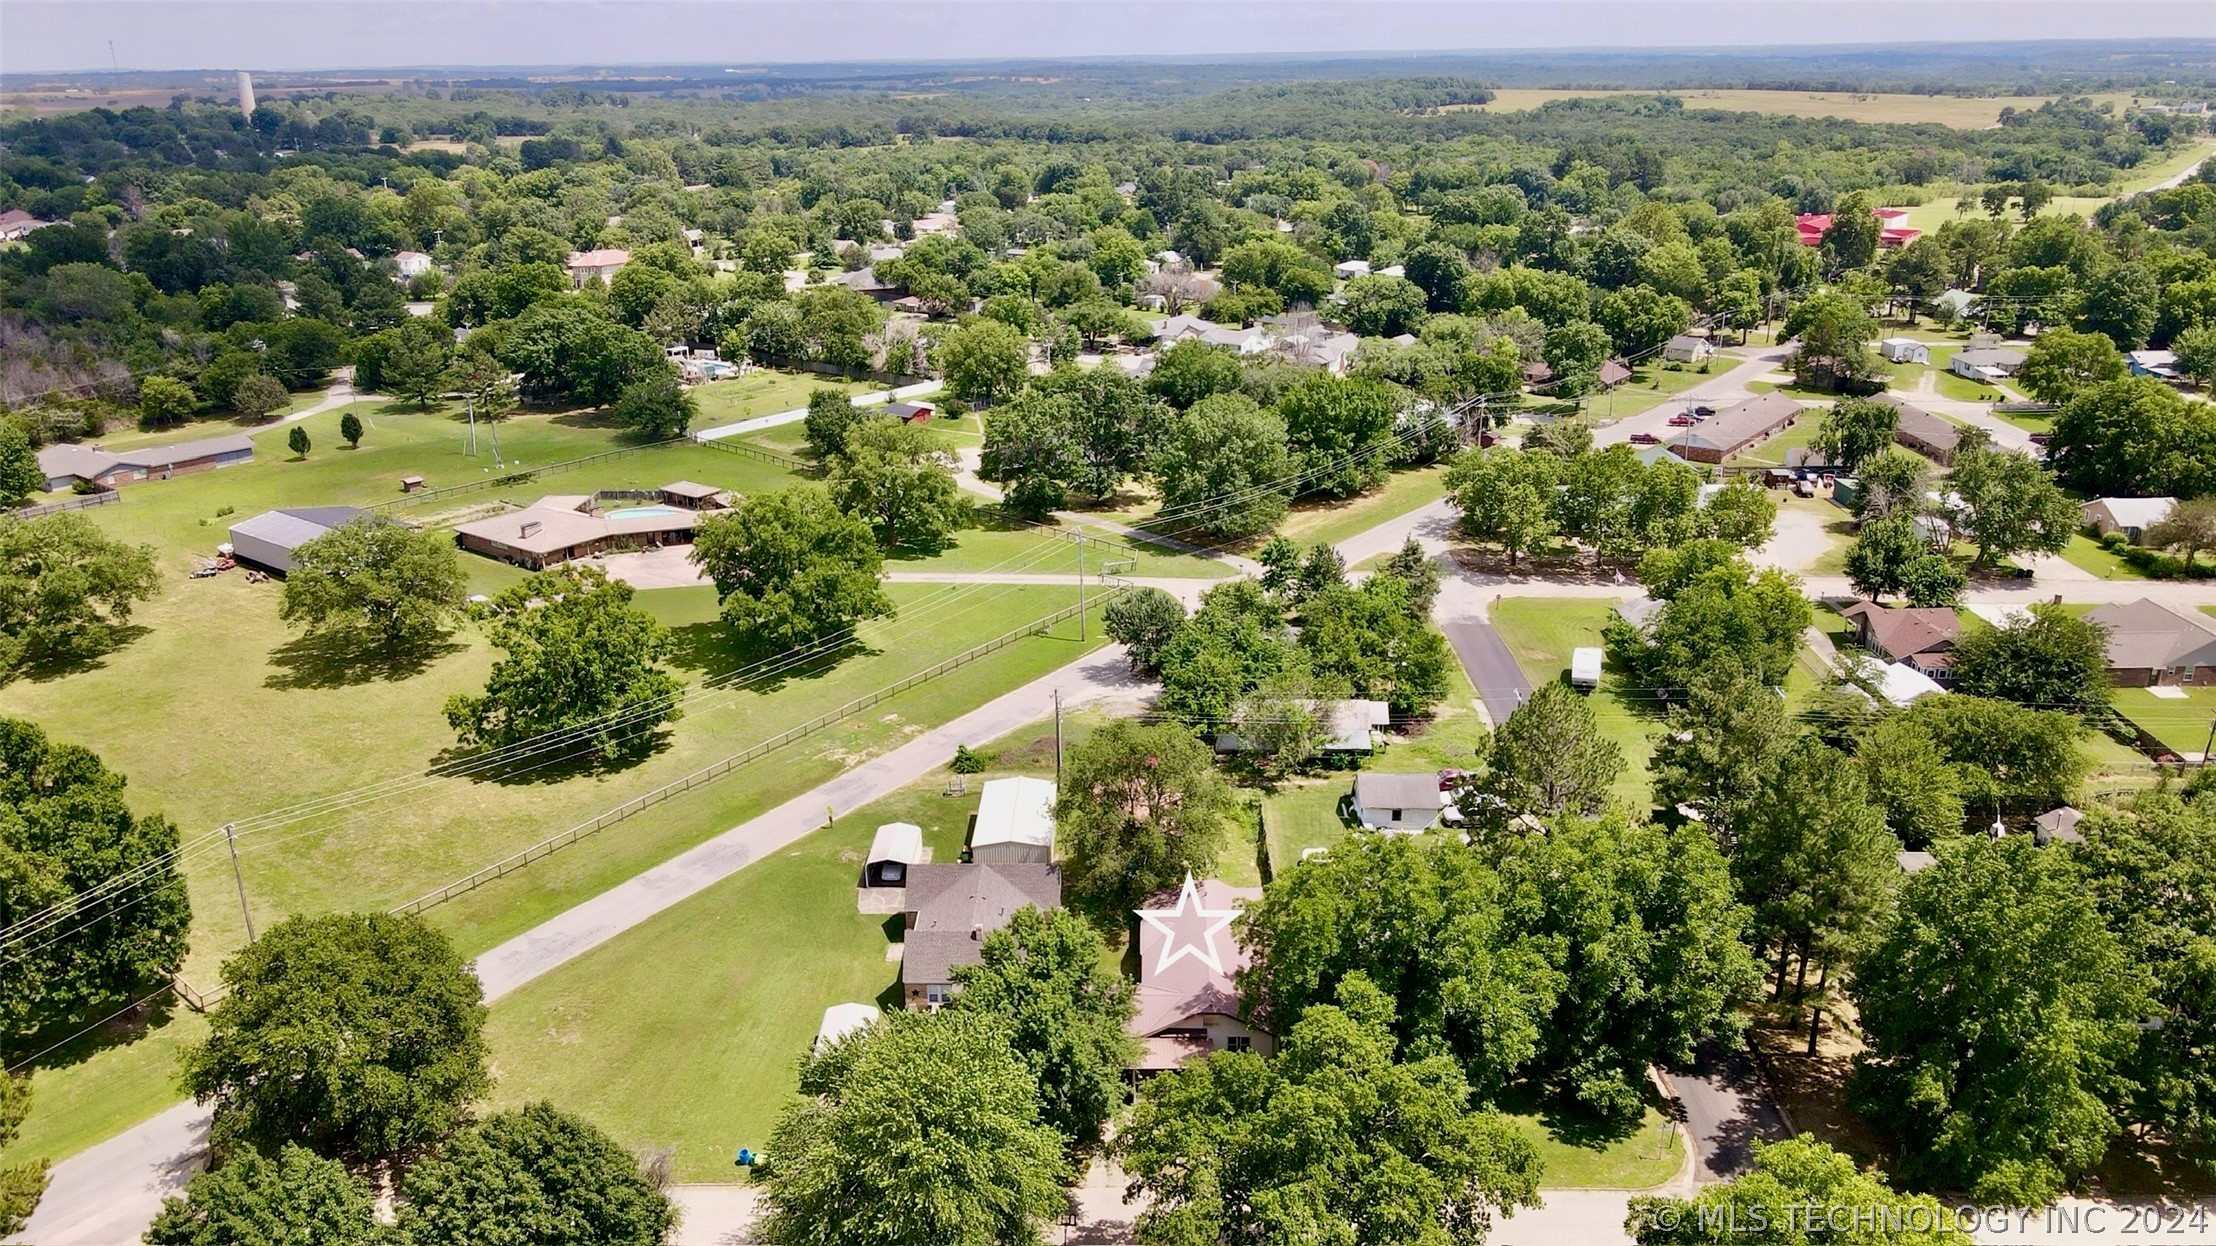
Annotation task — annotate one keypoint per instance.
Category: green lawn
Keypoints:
(2180, 724)
(188, 515)
(1000, 545)
(1541, 632)
(1773, 453)
(687, 1030)
(213, 716)
(765, 392)
(1643, 1158)
(2086, 553)
(1332, 522)
(1304, 814)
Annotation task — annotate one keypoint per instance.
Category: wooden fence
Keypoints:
(105, 497)
(748, 450)
(716, 770)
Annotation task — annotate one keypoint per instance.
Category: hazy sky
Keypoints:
(43, 35)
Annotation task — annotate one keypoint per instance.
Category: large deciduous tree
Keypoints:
(923, 1129)
(544, 1177)
(1854, 429)
(1340, 433)
(2048, 659)
(1223, 469)
(396, 586)
(1335, 1140)
(2135, 437)
(359, 1035)
(2001, 1017)
(792, 568)
(577, 656)
(983, 361)
(66, 589)
(1045, 977)
(1141, 806)
(655, 406)
(1794, 1185)
(292, 1197)
(1639, 925)
(895, 476)
(569, 351)
(1506, 497)
(1143, 620)
(94, 902)
(2011, 504)
(2062, 362)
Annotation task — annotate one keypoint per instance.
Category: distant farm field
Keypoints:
(1961, 113)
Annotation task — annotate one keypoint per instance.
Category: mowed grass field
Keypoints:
(216, 712)
(1541, 632)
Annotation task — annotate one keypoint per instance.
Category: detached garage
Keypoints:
(1015, 823)
(268, 539)
(897, 846)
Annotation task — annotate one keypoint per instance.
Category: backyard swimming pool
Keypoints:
(643, 512)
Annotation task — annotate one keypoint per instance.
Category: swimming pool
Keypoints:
(644, 512)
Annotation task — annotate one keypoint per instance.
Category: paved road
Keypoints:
(1098, 677)
(1726, 1111)
(105, 1196)
(1751, 363)
(1491, 667)
(794, 416)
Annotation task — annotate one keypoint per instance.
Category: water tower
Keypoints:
(246, 94)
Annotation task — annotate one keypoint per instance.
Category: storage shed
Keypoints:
(896, 846)
(1015, 822)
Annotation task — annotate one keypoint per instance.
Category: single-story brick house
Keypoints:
(1736, 428)
(950, 910)
(67, 464)
(1933, 436)
(2152, 645)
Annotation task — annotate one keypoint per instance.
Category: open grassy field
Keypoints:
(998, 545)
(765, 391)
(1332, 522)
(1960, 113)
(1930, 216)
(214, 714)
(1541, 632)
(1642, 1157)
(187, 514)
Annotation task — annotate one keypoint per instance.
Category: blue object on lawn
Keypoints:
(746, 1158)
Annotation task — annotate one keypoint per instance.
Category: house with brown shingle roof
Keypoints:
(950, 910)
(1933, 436)
(1736, 428)
(1904, 633)
(1187, 1008)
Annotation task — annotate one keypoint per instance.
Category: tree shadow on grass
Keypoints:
(49, 667)
(558, 760)
(347, 659)
(1573, 1123)
(73, 1043)
(711, 649)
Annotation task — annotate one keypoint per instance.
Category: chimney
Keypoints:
(246, 94)
(530, 526)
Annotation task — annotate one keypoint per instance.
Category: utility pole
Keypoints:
(2209, 747)
(1057, 737)
(472, 399)
(231, 838)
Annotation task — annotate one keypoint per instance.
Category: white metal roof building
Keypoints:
(268, 539)
(840, 1020)
(1015, 822)
(896, 846)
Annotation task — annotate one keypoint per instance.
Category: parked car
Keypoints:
(1682, 421)
(1645, 439)
(1704, 412)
